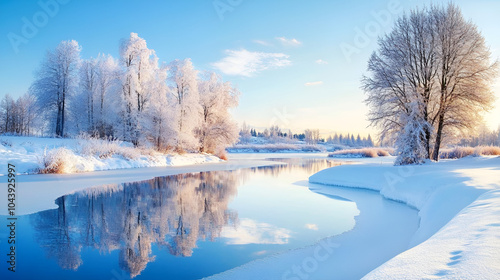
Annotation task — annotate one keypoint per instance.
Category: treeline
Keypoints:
(310, 136)
(132, 98)
(484, 137)
(350, 140)
(19, 116)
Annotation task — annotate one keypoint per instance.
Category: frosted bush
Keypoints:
(461, 152)
(363, 153)
(60, 160)
(107, 148)
(487, 151)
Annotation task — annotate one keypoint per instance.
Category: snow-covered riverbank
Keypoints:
(459, 208)
(38, 192)
(30, 155)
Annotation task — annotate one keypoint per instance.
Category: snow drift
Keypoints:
(459, 208)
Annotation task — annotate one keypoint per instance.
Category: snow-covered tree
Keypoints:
(359, 142)
(19, 116)
(132, 98)
(404, 63)
(498, 136)
(95, 106)
(158, 116)
(7, 111)
(140, 66)
(108, 87)
(312, 136)
(88, 87)
(245, 134)
(56, 83)
(410, 143)
(27, 121)
(185, 101)
(217, 129)
(442, 58)
(369, 141)
(275, 133)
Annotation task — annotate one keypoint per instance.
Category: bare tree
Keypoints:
(7, 108)
(437, 60)
(465, 73)
(403, 69)
(18, 116)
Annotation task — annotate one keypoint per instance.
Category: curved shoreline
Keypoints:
(383, 229)
(459, 207)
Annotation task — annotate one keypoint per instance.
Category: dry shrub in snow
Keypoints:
(107, 148)
(60, 160)
(222, 156)
(364, 152)
(488, 150)
(460, 152)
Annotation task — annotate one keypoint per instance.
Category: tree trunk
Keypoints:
(439, 134)
(62, 113)
(58, 121)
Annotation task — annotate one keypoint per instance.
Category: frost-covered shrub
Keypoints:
(363, 152)
(60, 160)
(461, 152)
(455, 153)
(487, 151)
(107, 148)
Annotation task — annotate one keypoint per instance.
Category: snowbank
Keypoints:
(33, 155)
(459, 209)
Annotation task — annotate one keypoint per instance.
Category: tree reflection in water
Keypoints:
(173, 212)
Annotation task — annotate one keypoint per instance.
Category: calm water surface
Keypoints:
(186, 226)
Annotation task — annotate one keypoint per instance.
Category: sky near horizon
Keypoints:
(298, 64)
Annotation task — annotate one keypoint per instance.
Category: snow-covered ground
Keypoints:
(459, 209)
(83, 155)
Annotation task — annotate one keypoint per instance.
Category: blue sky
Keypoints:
(298, 64)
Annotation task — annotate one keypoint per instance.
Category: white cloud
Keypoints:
(253, 232)
(262, 42)
(310, 84)
(312, 226)
(246, 63)
(289, 42)
(321, 61)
